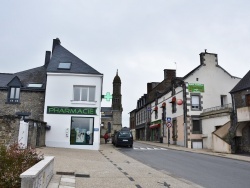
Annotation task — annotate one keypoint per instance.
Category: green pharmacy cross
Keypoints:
(107, 96)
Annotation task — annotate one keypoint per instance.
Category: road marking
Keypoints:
(140, 148)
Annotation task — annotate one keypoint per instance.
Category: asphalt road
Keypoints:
(205, 170)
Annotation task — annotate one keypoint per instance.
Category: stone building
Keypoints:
(112, 116)
(240, 126)
(22, 100)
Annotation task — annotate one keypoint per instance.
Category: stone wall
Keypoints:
(9, 129)
(240, 98)
(37, 132)
(244, 145)
(30, 101)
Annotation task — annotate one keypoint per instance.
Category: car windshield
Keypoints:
(124, 134)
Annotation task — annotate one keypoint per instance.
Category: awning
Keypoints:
(154, 126)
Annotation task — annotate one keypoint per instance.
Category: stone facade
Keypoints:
(9, 129)
(32, 102)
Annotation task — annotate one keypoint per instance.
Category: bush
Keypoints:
(14, 160)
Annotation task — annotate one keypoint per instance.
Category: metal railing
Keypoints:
(226, 106)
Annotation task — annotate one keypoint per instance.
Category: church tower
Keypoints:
(117, 103)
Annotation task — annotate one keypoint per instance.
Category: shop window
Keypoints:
(195, 102)
(81, 132)
(14, 95)
(84, 93)
(196, 126)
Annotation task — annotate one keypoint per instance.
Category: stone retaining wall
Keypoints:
(39, 175)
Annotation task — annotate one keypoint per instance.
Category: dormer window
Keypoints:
(66, 66)
(14, 90)
(14, 95)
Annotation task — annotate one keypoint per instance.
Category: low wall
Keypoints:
(39, 175)
(220, 145)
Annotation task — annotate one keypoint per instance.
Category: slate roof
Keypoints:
(35, 75)
(106, 109)
(38, 75)
(62, 55)
(243, 84)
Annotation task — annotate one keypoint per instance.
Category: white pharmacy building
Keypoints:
(72, 101)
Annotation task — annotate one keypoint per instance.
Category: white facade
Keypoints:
(59, 92)
(217, 84)
(208, 126)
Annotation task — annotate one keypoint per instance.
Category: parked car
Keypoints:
(123, 137)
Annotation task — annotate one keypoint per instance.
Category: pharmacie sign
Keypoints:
(70, 110)
(195, 87)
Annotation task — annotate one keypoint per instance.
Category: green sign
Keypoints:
(70, 110)
(195, 87)
(107, 96)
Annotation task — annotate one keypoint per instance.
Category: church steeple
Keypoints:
(117, 97)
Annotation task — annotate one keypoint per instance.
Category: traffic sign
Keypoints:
(169, 124)
(168, 119)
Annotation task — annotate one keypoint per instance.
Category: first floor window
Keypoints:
(81, 132)
(84, 93)
(195, 102)
(196, 126)
(14, 95)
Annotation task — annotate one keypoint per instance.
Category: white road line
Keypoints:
(164, 149)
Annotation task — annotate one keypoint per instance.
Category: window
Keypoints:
(173, 107)
(35, 85)
(223, 100)
(156, 114)
(81, 132)
(196, 126)
(14, 95)
(247, 100)
(84, 93)
(64, 65)
(195, 102)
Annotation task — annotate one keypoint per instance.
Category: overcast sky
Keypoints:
(140, 38)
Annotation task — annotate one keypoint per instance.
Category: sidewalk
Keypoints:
(202, 151)
(106, 168)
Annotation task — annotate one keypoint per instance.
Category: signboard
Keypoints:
(70, 110)
(169, 124)
(168, 119)
(108, 96)
(96, 129)
(195, 87)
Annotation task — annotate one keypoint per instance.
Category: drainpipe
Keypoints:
(233, 128)
(185, 112)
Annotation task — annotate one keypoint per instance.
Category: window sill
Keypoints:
(83, 102)
(12, 103)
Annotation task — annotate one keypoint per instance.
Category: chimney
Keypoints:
(202, 59)
(169, 74)
(47, 58)
(55, 43)
(149, 87)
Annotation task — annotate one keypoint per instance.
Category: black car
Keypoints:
(123, 138)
